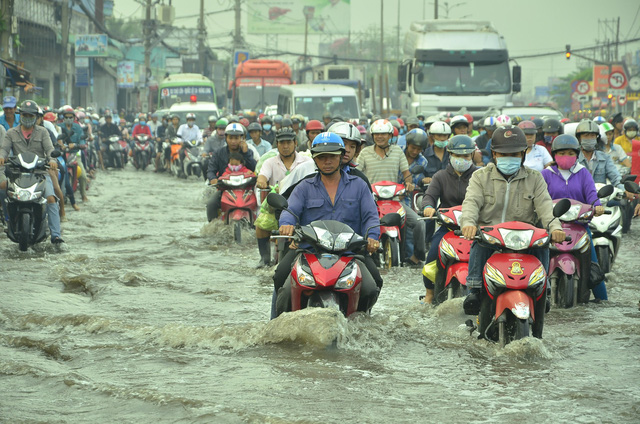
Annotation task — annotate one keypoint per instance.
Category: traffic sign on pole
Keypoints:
(582, 87)
(622, 100)
(617, 80)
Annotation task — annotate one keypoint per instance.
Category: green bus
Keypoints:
(181, 87)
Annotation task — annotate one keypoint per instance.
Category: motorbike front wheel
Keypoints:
(390, 253)
(565, 288)
(512, 329)
(237, 232)
(25, 231)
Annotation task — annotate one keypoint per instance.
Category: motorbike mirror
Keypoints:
(561, 207)
(632, 187)
(628, 177)
(277, 201)
(391, 220)
(605, 191)
(417, 170)
(56, 154)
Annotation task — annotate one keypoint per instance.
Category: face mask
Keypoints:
(86, 121)
(95, 122)
(402, 131)
(235, 168)
(508, 165)
(28, 122)
(566, 162)
(394, 139)
(441, 144)
(631, 134)
(483, 132)
(142, 122)
(267, 127)
(589, 144)
(460, 164)
(548, 139)
(190, 124)
(68, 121)
(421, 123)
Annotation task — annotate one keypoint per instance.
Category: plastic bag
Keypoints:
(266, 219)
(429, 270)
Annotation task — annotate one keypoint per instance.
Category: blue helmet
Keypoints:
(327, 142)
(417, 137)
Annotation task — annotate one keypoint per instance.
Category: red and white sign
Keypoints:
(582, 87)
(622, 100)
(617, 80)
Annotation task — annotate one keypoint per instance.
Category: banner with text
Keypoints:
(290, 17)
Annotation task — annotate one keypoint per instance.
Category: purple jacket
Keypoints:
(580, 185)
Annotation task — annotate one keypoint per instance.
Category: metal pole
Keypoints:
(372, 98)
(617, 38)
(64, 87)
(398, 35)
(381, 51)
(201, 37)
(147, 56)
(435, 9)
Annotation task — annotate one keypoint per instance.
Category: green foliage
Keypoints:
(561, 93)
(124, 28)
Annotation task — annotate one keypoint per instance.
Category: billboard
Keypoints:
(91, 45)
(289, 16)
(126, 74)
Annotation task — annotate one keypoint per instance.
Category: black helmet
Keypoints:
(630, 124)
(277, 119)
(565, 141)
(508, 140)
(461, 145)
(417, 137)
(285, 133)
(29, 106)
(254, 126)
(539, 123)
(266, 120)
(286, 122)
(551, 125)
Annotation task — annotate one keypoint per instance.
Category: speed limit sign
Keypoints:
(617, 80)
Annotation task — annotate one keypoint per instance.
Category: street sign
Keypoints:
(582, 87)
(634, 83)
(617, 92)
(617, 80)
(583, 98)
(622, 100)
(239, 57)
(633, 95)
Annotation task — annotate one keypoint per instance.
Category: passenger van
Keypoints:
(313, 100)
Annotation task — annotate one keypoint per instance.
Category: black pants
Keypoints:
(370, 286)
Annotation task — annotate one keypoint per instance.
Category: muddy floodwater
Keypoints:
(149, 314)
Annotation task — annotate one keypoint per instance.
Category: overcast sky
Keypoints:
(528, 27)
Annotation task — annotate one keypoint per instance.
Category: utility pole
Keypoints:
(5, 38)
(147, 55)
(237, 37)
(398, 35)
(617, 38)
(381, 52)
(201, 37)
(435, 9)
(65, 88)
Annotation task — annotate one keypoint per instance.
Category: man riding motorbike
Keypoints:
(107, 130)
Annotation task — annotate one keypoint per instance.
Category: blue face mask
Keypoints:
(548, 139)
(483, 132)
(508, 165)
(95, 122)
(267, 127)
(86, 121)
(142, 122)
(394, 139)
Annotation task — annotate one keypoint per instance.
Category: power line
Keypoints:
(634, 22)
(560, 52)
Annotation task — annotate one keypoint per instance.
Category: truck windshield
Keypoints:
(314, 107)
(462, 78)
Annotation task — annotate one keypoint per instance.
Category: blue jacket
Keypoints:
(74, 135)
(579, 186)
(353, 205)
(603, 168)
(434, 164)
(5, 124)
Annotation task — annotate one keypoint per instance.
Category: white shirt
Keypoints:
(275, 170)
(537, 158)
(189, 134)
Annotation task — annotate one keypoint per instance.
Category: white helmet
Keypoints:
(381, 126)
(458, 119)
(599, 120)
(503, 120)
(346, 131)
(490, 123)
(440, 127)
(234, 129)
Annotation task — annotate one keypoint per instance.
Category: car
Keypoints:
(202, 110)
(271, 110)
(313, 100)
(529, 113)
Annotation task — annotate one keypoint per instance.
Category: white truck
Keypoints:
(455, 66)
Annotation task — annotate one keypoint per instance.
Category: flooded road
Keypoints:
(148, 314)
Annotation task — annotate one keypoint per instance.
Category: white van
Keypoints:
(202, 110)
(313, 100)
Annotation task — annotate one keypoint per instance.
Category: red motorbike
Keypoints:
(328, 277)
(515, 283)
(387, 195)
(453, 258)
(239, 204)
(142, 151)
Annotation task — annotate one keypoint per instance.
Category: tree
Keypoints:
(561, 93)
(125, 28)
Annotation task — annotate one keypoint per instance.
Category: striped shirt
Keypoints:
(386, 168)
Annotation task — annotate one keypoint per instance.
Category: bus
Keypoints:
(179, 88)
(257, 84)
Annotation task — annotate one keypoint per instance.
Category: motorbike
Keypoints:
(142, 151)
(387, 195)
(515, 283)
(239, 205)
(570, 261)
(330, 277)
(192, 163)
(606, 230)
(115, 152)
(176, 165)
(453, 258)
(26, 203)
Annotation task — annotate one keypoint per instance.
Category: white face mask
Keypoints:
(631, 134)
(190, 124)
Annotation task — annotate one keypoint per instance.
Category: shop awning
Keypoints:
(17, 75)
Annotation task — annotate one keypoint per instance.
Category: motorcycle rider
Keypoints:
(141, 127)
(31, 138)
(503, 191)
(326, 118)
(10, 119)
(272, 171)
(630, 131)
(449, 187)
(537, 157)
(618, 155)
(236, 142)
(383, 162)
(72, 135)
(154, 124)
(297, 122)
(189, 133)
(211, 129)
(313, 129)
(568, 179)
(551, 129)
(213, 142)
(617, 121)
(267, 132)
(170, 134)
(331, 194)
(459, 125)
(255, 132)
(482, 141)
(106, 131)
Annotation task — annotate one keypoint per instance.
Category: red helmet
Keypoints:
(469, 118)
(50, 116)
(400, 121)
(314, 125)
(244, 122)
(565, 120)
(395, 132)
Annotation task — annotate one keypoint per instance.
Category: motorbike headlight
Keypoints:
(541, 242)
(25, 194)
(446, 250)
(342, 241)
(347, 278)
(385, 192)
(571, 214)
(304, 277)
(537, 276)
(521, 310)
(516, 239)
(613, 225)
(325, 239)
